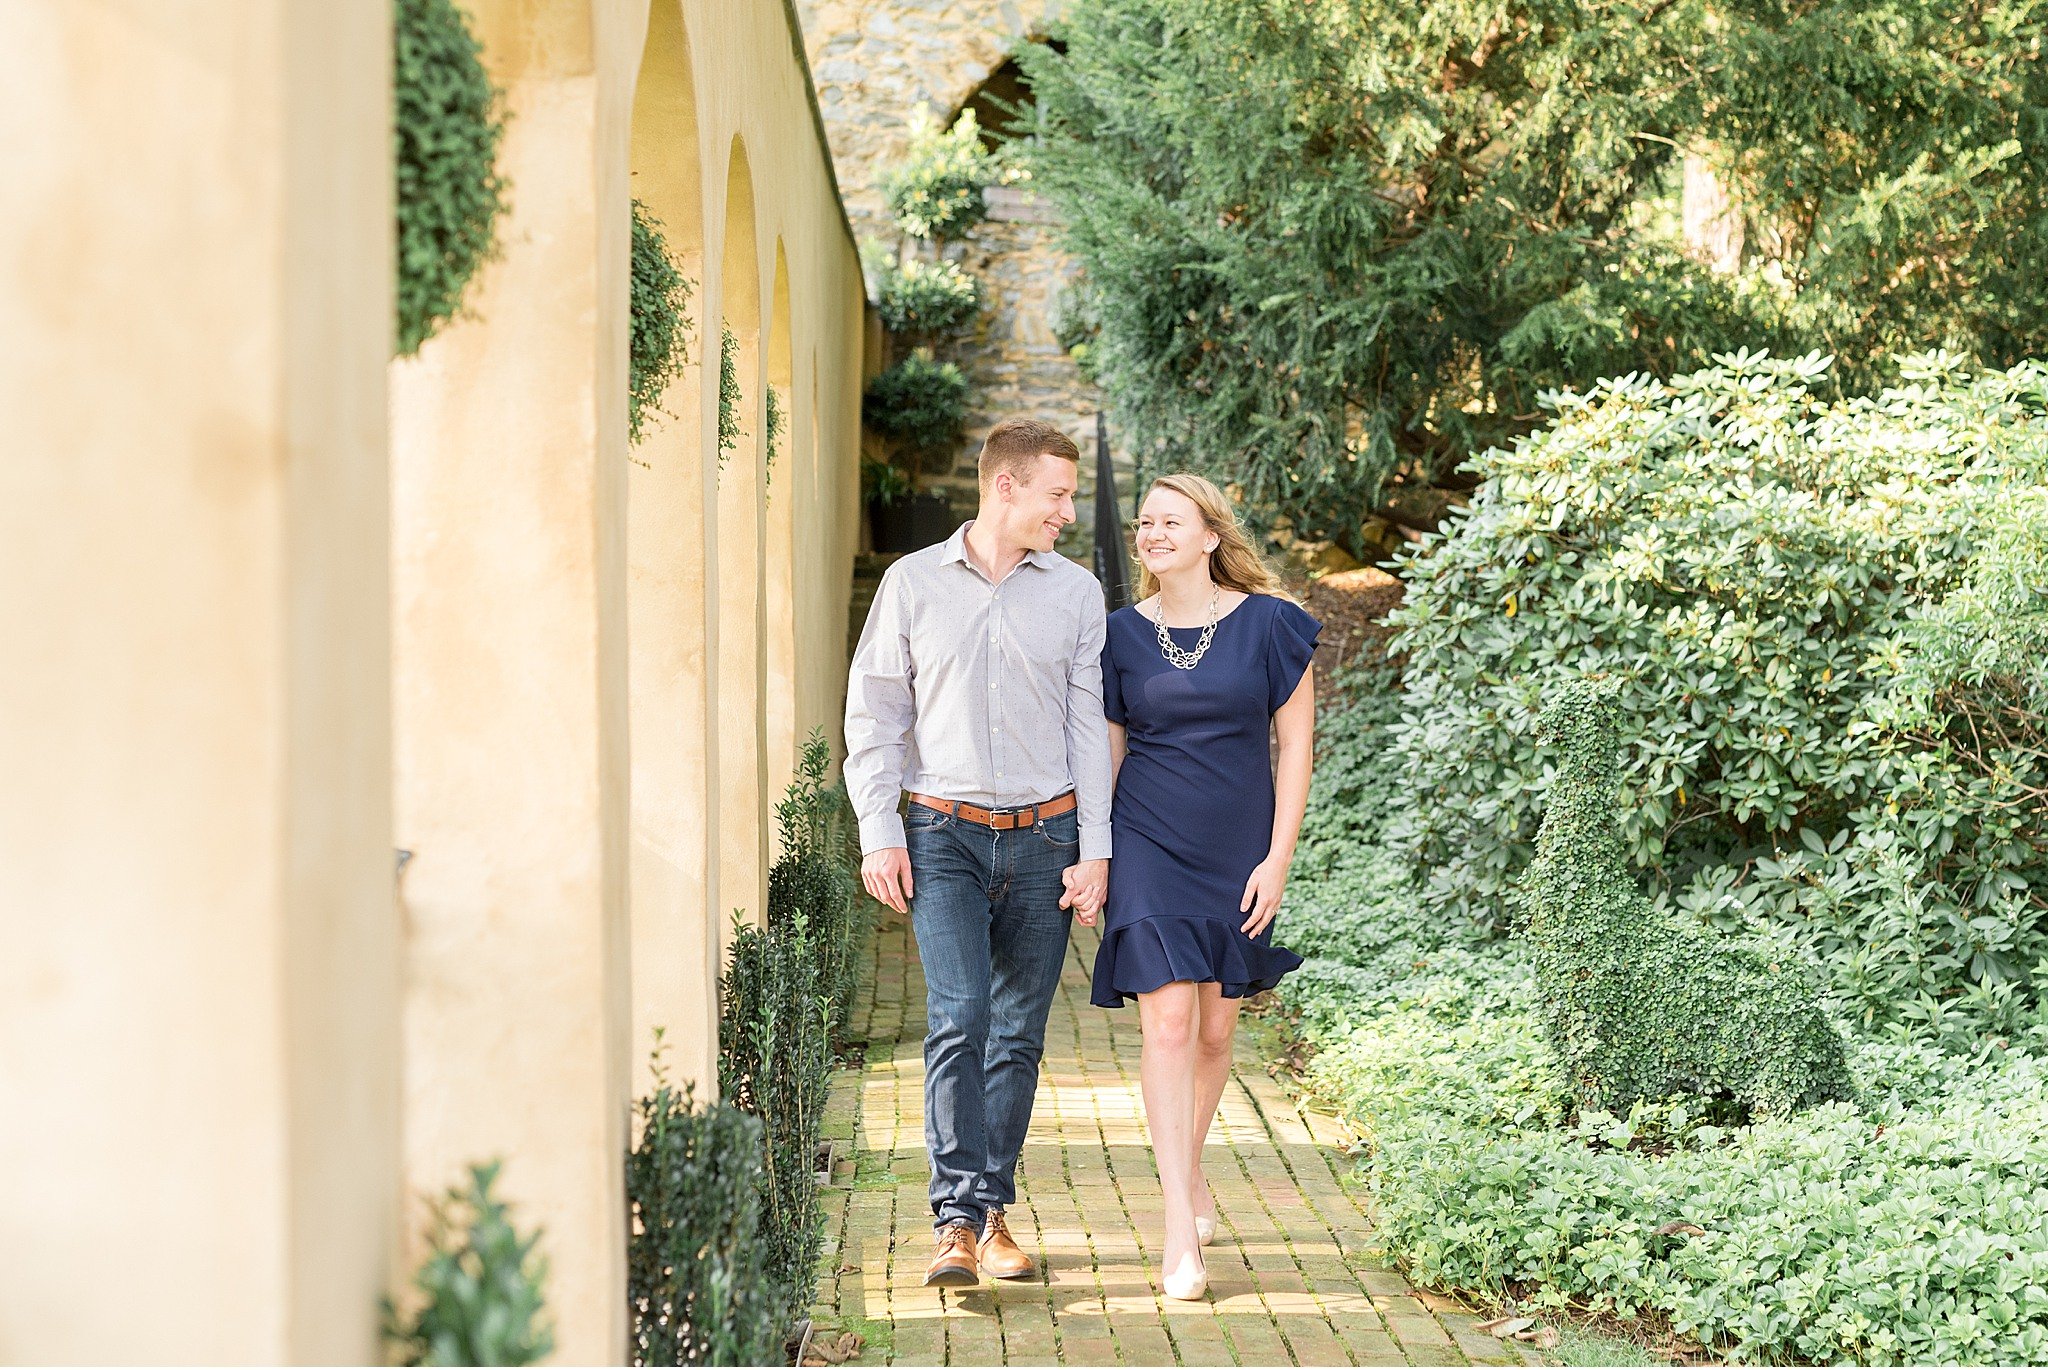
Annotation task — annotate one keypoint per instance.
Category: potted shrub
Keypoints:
(901, 518)
(920, 405)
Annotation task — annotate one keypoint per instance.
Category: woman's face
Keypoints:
(1171, 534)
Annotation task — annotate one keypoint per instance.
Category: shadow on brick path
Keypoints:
(1293, 1277)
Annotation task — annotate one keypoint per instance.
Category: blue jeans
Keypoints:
(992, 937)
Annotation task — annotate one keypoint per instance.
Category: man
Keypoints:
(977, 688)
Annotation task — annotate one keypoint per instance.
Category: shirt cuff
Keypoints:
(1095, 842)
(881, 832)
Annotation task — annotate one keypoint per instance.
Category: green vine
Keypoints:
(660, 323)
(447, 123)
(729, 397)
(776, 422)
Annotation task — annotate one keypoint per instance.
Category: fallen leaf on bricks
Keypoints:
(835, 1350)
(1506, 1327)
(1543, 1338)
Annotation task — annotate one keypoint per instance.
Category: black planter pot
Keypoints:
(910, 522)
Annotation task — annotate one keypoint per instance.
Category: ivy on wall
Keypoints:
(776, 422)
(447, 123)
(729, 397)
(660, 321)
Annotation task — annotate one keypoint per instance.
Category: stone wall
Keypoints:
(875, 62)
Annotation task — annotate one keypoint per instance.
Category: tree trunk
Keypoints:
(1713, 218)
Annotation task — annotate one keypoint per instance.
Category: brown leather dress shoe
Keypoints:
(953, 1264)
(1000, 1254)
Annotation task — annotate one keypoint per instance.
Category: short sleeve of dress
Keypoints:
(1112, 681)
(1294, 634)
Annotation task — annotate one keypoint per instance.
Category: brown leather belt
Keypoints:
(1002, 820)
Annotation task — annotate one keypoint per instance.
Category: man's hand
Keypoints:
(1087, 885)
(886, 873)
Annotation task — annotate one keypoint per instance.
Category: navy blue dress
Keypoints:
(1193, 814)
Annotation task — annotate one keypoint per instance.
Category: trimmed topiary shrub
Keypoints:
(935, 192)
(660, 331)
(926, 299)
(774, 1061)
(695, 1263)
(480, 1287)
(919, 403)
(446, 126)
(1751, 566)
(1642, 1008)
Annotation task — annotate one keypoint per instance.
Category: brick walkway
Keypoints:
(1293, 1278)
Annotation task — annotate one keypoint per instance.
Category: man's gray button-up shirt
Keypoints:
(989, 693)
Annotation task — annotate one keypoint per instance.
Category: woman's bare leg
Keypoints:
(1166, 1074)
(1214, 1035)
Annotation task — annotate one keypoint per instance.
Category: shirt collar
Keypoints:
(956, 550)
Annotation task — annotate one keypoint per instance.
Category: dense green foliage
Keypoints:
(447, 121)
(883, 483)
(1326, 242)
(1904, 1228)
(480, 1288)
(926, 299)
(774, 1029)
(774, 426)
(920, 404)
(1643, 1008)
(935, 191)
(786, 990)
(1765, 575)
(660, 329)
(812, 878)
(730, 396)
(696, 1277)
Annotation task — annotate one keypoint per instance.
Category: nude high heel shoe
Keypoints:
(1188, 1288)
(1205, 1229)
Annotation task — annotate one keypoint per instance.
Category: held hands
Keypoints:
(1087, 885)
(886, 874)
(1262, 895)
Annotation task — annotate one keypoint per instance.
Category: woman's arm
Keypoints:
(1116, 753)
(1295, 727)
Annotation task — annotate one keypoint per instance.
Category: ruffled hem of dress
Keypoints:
(1154, 952)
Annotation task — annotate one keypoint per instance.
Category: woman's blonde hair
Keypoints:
(1233, 565)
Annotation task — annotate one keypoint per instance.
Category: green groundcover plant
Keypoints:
(1905, 1227)
(1819, 621)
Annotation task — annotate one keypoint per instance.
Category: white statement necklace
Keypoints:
(1176, 654)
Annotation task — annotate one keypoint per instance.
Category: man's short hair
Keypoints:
(1014, 445)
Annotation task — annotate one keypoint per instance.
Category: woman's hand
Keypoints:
(1262, 895)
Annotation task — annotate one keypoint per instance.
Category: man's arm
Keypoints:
(1088, 761)
(880, 709)
(1088, 736)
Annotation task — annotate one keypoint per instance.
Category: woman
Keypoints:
(1195, 677)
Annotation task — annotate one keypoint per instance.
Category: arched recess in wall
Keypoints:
(742, 726)
(785, 480)
(676, 939)
(1002, 101)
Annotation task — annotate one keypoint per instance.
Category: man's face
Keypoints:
(1038, 509)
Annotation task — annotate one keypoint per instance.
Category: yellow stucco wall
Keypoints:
(282, 606)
